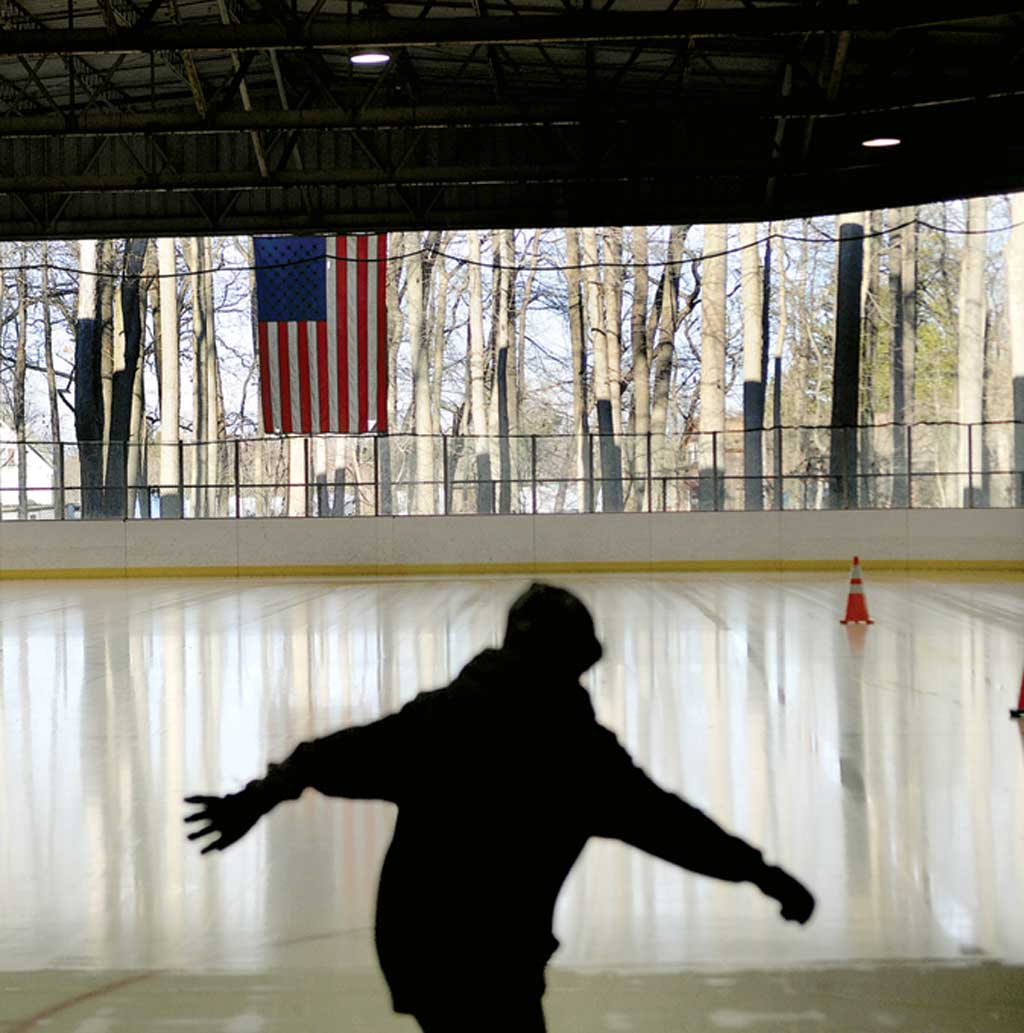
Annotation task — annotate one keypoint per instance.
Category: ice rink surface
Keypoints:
(879, 764)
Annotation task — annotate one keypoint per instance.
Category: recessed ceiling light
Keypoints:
(369, 57)
(882, 141)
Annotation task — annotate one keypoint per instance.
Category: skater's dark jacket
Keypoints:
(500, 779)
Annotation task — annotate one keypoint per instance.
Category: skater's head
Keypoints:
(552, 628)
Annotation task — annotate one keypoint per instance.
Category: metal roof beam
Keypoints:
(454, 116)
(500, 30)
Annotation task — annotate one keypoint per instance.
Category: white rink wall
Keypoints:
(360, 546)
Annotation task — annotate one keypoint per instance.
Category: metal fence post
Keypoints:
(181, 479)
(714, 470)
(592, 508)
(124, 477)
(650, 487)
(305, 477)
(533, 471)
(910, 469)
(444, 474)
(970, 467)
(238, 480)
(60, 479)
(376, 476)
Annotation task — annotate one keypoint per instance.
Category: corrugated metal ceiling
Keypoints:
(128, 115)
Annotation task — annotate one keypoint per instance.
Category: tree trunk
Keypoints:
(712, 369)
(170, 382)
(520, 377)
(89, 406)
(870, 333)
(755, 352)
(438, 335)
(20, 363)
(110, 321)
(216, 424)
(51, 387)
(1015, 295)
(613, 322)
(971, 364)
(478, 405)
(419, 360)
(640, 424)
(780, 343)
(502, 339)
(611, 469)
(383, 473)
(846, 368)
(138, 496)
(613, 347)
(903, 289)
(127, 346)
(580, 403)
(665, 319)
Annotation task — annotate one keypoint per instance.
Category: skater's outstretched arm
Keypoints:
(631, 807)
(362, 763)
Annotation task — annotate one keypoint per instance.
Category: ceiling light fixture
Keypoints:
(882, 141)
(374, 14)
(369, 56)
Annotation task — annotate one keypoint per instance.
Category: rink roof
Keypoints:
(248, 115)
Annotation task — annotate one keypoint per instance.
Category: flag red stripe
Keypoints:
(342, 245)
(325, 387)
(362, 288)
(382, 335)
(285, 366)
(305, 408)
(268, 412)
(284, 378)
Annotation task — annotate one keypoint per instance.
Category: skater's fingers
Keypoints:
(202, 832)
(198, 816)
(202, 800)
(215, 845)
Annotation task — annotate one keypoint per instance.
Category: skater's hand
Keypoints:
(796, 900)
(229, 816)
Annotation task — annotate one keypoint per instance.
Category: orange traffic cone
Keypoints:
(1019, 712)
(856, 604)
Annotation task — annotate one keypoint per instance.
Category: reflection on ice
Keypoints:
(885, 770)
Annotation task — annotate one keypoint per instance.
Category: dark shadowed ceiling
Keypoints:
(180, 116)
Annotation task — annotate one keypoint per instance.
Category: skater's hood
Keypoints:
(551, 630)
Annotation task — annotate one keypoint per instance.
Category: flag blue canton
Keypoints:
(291, 279)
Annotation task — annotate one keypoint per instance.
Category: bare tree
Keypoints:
(903, 289)
(971, 364)
(846, 369)
(1015, 298)
(478, 408)
(420, 362)
(127, 346)
(580, 403)
(170, 382)
(755, 358)
(666, 314)
(89, 408)
(503, 336)
(712, 367)
(51, 383)
(598, 320)
(640, 417)
(20, 362)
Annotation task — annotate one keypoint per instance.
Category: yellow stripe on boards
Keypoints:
(990, 568)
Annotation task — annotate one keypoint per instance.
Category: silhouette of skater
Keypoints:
(500, 779)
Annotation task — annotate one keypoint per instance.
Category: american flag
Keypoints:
(322, 333)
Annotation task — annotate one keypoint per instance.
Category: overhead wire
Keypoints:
(548, 266)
